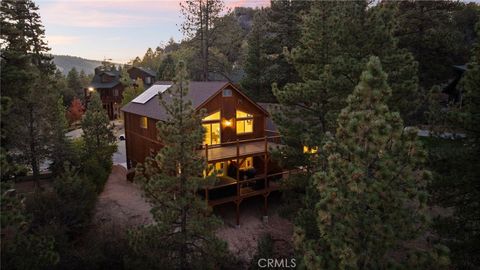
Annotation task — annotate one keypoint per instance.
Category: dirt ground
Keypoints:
(121, 205)
(121, 202)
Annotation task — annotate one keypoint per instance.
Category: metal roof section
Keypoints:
(150, 93)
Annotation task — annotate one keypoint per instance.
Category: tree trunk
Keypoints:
(183, 225)
(33, 149)
(202, 38)
(206, 37)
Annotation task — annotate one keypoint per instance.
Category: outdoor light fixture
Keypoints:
(228, 123)
(90, 89)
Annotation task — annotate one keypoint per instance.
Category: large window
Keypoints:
(211, 124)
(244, 122)
(212, 133)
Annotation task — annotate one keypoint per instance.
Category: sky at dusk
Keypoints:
(115, 29)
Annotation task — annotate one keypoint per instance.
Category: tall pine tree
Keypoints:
(455, 162)
(182, 236)
(372, 194)
(27, 82)
(98, 136)
(275, 29)
(202, 23)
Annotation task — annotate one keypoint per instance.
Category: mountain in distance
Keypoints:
(66, 62)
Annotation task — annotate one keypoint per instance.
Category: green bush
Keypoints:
(69, 205)
(96, 172)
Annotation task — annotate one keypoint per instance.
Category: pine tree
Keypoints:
(61, 146)
(336, 40)
(456, 183)
(427, 29)
(182, 236)
(22, 246)
(275, 30)
(255, 81)
(74, 82)
(27, 80)
(133, 91)
(98, 133)
(166, 70)
(202, 20)
(372, 194)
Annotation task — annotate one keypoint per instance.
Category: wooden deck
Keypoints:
(235, 190)
(230, 151)
(239, 149)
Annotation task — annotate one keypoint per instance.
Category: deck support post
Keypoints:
(265, 207)
(238, 169)
(237, 204)
(265, 164)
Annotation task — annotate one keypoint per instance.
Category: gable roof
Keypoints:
(97, 79)
(146, 70)
(199, 93)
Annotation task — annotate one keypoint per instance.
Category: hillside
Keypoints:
(67, 62)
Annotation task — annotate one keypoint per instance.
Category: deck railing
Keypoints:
(268, 186)
(238, 143)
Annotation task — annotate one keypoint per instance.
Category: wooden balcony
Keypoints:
(239, 149)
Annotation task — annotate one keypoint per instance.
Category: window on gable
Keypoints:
(244, 122)
(144, 122)
(227, 92)
(212, 117)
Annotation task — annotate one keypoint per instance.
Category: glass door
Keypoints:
(212, 133)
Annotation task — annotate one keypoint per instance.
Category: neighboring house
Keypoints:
(454, 93)
(236, 144)
(145, 74)
(106, 82)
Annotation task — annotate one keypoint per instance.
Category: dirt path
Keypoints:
(121, 202)
(121, 205)
(242, 241)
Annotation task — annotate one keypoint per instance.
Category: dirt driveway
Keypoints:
(121, 205)
(121, 202)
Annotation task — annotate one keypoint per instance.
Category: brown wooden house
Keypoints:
(106, 82)
(236, 144)
(147, 75)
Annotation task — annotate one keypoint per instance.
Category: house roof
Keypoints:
(146, 70)
(198, 94)
(97, 79)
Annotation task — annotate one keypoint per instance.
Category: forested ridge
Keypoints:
(351, 82)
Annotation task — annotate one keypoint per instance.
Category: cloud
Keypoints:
(89, 14)
(54, 40)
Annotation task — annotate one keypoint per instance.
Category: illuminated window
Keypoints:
(212, 133)
(244, 126)
(244, 122)
(310, 150)
(143, 122)
(218, 168)
(241, 114)
(247, 163)
(212, 117)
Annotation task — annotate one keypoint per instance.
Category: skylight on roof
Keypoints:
(150, 93)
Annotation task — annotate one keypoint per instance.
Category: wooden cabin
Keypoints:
(236, 144)
(147, 75)
(106, 82)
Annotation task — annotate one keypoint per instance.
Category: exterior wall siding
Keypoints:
(141, 143)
